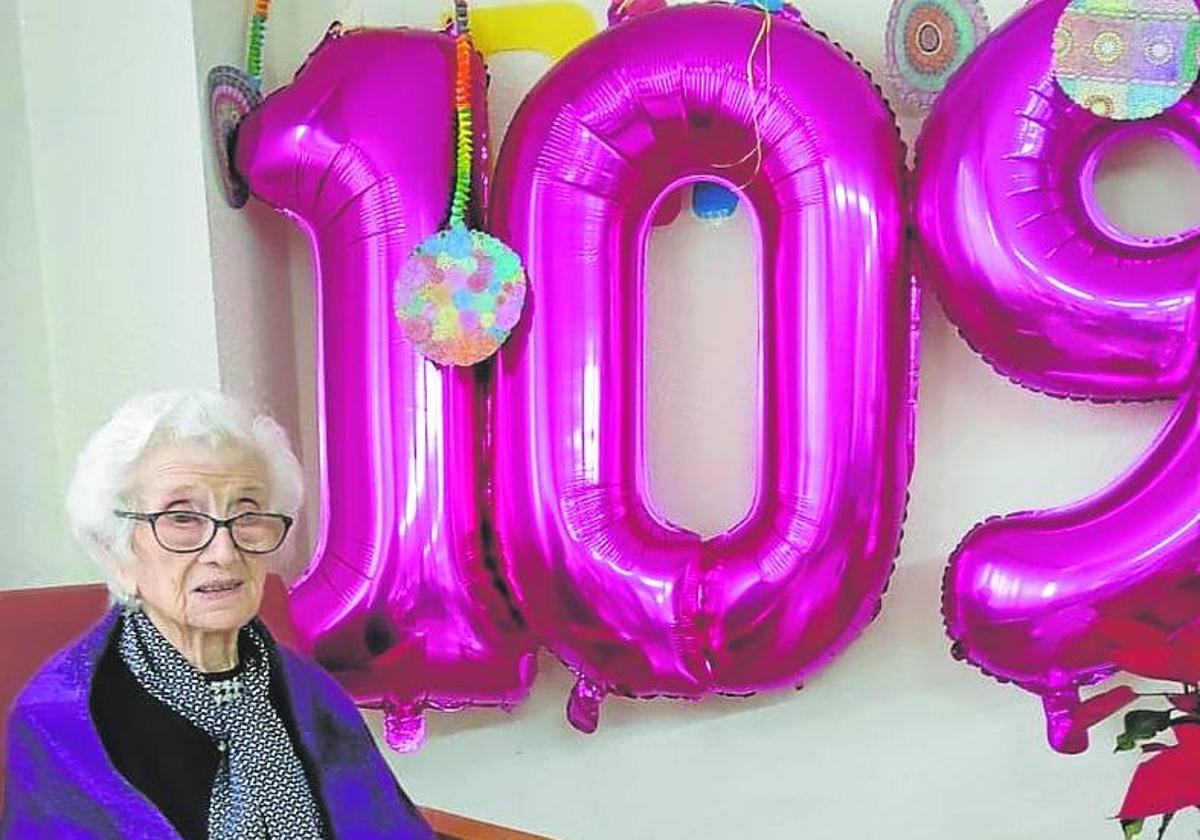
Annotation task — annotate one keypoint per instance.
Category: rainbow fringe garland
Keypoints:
(255, 39)
(464, 140)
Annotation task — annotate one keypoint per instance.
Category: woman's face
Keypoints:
(217, 590)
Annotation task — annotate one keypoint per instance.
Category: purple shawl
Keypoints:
(61, 784)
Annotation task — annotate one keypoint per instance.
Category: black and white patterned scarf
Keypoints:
(260, 790)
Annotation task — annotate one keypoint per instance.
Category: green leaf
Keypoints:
(1146, 723)
(1166, 821)
(1125, 741)
(1132, 828)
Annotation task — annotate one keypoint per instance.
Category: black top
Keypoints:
(163, 755)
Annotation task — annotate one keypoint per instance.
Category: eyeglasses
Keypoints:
(189, 531)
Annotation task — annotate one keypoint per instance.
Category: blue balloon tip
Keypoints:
(762, 5)
(713, 202)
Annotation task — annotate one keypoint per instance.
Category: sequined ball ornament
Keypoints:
(1127, 59)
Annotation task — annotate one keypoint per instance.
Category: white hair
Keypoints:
(101, 483)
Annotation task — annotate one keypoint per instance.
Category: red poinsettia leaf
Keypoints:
(1157, 661)
(1185, 702)
(1095, 709)
(1173, 606)
(1187, 636)
(1185, 662)
(1125, 632)
(1167, 782)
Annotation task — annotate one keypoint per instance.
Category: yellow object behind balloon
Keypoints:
(551, 29)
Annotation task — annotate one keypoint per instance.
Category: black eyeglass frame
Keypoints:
(217, 524)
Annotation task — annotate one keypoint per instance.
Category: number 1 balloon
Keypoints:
(399, 600)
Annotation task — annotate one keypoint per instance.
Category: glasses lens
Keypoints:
(259, 532)
(183, 531)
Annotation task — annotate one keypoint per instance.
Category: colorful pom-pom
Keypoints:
(459, 296)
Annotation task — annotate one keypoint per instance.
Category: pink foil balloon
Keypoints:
(399, 600)
(633, 604)
(1015, 245)
(1024, 594)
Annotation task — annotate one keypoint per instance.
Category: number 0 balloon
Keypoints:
(633, 604)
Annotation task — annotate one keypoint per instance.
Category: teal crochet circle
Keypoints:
(927, 40)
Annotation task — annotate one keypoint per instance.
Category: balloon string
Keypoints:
(464, 147)
(255, 39)
(762, 38)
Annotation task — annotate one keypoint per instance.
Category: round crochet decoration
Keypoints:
(927, 40)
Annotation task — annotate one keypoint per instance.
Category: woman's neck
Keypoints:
(208, 651)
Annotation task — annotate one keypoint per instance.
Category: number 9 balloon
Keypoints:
(1026, 595)
(1061, 301)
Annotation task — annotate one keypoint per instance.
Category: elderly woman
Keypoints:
(178, 716)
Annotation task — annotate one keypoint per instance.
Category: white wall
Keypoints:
(106, 272)
(35, 546)
(894, 739)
